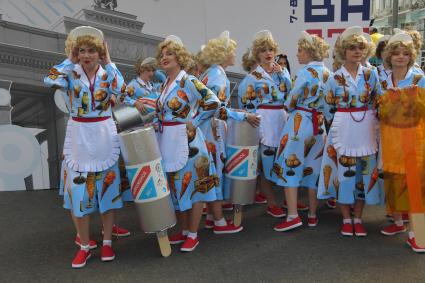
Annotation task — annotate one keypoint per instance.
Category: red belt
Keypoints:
(274, 107)
(90, 119)
(314, 117)
(168, 124)
(353, 109)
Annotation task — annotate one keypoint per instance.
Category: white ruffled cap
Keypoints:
(368, 38)
(397, 31)
(203, 47)
(225, 37)
(354, 30)
(403, 37)
(175, 39)
(86, 30)
(148, 60)
(305, 35)
(384, 38)
(263, 34)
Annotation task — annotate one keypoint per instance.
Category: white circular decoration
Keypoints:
(60, 100)
(4, 97)
(19, 151)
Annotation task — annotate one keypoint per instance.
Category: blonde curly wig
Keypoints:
(146, 67)
(341, 46)
(248, 61)
(183, 56)
(215, 52)
(318, 49)
(88, 40)
(417, 40)
(261, 43)
(390, 49)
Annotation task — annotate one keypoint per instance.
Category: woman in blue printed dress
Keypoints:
(266, 89)
(141, 92)
(216, 56)
(399, 55)
(298, 157)
(349, 169)
(184, 104)
(91, 176)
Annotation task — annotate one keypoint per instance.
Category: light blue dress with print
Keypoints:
(137, 89)
(265, 95)
(299, 155)
(191, 175)
(214, 130)
(351, 177)
(86, 191)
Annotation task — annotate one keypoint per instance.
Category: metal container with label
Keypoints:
(127, 117)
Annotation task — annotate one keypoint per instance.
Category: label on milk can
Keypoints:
(241, 162)
(148, 181)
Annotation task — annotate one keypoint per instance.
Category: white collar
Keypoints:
(83, 78)
(348, 75)
(168, 87)
(390, 78)
(263, 72)
(314, 63)
(143, 83)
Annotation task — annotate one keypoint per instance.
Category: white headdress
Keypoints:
(225, 37)
(384, 38)
(263, 34)
(86, 30)
(305, 35)
(175, 39)
(402, 36)
(368, 38)
(397, 31)
(354, 30)
(148, 60)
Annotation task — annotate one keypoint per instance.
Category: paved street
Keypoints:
(37, 246)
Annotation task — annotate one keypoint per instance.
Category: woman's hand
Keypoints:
(253, 119)
(277, 68)
(106, 58)
(141, 107)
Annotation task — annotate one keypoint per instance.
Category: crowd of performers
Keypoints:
(319, 130)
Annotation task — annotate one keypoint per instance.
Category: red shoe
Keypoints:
(331, 203)
(359, 230)
(204, 211)
(313, 221)
(209, 224)
(412, 243)
(300, 206)
(260, 199)
(405, 217)
(227, 207)
(288, 225)
(230, 228)
(347, 229)
(177, 238)
(92, 243)
(107, 253)
(276, 211)
(190, 244)
(80, 259)
(120, 232)
(393, 229)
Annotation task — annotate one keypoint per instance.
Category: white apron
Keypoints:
(271, 125)
(353, 138)
(174, 147)
(91, 146)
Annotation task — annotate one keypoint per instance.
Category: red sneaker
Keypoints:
(227, 207)
(230, 228)
(359, 230)
(190, 244)
(288, 225)
(80, 259)
(276, 211)
(92, 243)
(393, 229)
(177, 238)
(412, 243)
(107, 253)
(347, 229)
(300, 206)
(260, 199)
(120, 232)
(209, 224)
(313, 221)
(331, 203)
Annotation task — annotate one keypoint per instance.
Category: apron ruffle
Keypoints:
(174, 147)
(271, 126)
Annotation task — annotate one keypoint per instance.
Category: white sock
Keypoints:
(311, 215)
(399, 223)
(85, 248)
(185, 232)
(357, 221)
(222, 222)
(291, 217)
(192, 235)
(107, 243)
(210, 217)
(411, 235)
(346, 221)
